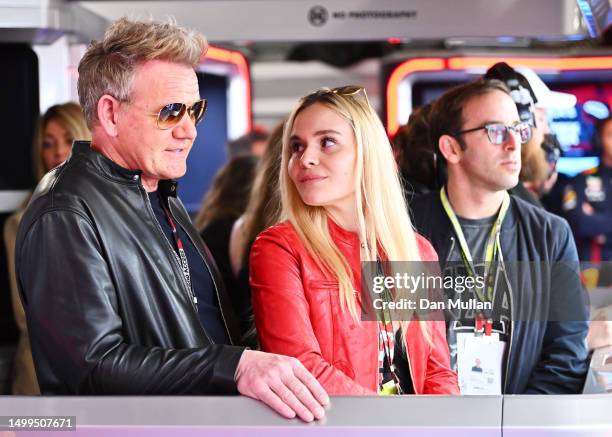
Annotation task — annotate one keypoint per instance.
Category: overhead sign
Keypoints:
(357, 20)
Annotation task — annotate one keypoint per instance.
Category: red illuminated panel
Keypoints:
(413, 66)
(560, 64)
(236, 58)
(406, 68)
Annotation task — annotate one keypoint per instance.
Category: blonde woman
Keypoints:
(342, 203)
(59, 127)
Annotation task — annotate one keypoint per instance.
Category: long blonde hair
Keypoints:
(383, 221)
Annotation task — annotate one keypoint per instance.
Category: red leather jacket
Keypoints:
(298, 313)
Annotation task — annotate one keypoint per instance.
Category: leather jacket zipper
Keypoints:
(190, 294)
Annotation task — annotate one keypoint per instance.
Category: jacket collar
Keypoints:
(341, 234)
(83, 150)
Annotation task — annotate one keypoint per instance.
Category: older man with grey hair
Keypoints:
(121, 294)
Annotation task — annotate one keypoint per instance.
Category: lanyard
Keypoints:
(492, 248)
(181, 253)
(386, 335)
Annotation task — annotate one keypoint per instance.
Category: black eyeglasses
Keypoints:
(172, 113)
(498, 132)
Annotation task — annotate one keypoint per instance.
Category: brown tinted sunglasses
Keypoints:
(172, 113)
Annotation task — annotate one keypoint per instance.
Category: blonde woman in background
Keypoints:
(59, 127)
(342, 203)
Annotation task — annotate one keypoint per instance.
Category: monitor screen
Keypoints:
(575, 127)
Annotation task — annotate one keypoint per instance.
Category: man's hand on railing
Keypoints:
(282, 383)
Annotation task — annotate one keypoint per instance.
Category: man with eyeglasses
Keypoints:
(121, 295)
(529, 334)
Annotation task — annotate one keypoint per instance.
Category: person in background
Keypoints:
(587, 203)
(538, 167)
(225, 201)
(263, 211)
(546, 101)
(558, 193)
(343, 203)
(531, 323)
(415, 154)
(58, 128)
(552, 153)
(252, 144)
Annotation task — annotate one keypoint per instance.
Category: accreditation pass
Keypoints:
(479, 363)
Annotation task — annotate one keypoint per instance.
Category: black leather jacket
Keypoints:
(107, 305)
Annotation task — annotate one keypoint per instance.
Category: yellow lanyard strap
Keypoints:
(492, 243)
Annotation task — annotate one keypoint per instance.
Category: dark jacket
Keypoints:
(107, 305)
(547, 352)
(216, 235)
